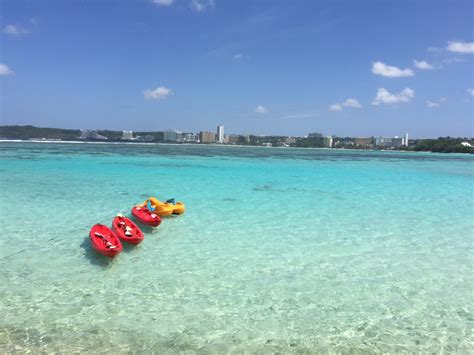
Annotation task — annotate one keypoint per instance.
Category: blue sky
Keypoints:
(263, 67)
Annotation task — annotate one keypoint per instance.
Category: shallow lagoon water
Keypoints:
(280, 250)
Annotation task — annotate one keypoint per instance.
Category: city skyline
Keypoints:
(343, 68)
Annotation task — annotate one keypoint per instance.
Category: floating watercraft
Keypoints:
(104, 241)
(126, 230)
(164, 208)
(145, 216)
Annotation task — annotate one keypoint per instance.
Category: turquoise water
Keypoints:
(280, 250)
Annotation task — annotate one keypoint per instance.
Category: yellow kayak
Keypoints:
(164, 208)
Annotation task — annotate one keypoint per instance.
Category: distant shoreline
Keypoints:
(313, 140)
(210, 145)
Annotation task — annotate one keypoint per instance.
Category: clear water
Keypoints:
(280, 250)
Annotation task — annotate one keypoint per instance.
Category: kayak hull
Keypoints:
(144, 216)
(119, 226)
(164, 209)
(104, 241)
(178, 208)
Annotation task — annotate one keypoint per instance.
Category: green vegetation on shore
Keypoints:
(32, 132)
(444, 145)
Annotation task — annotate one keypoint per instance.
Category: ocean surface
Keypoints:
(280, 250)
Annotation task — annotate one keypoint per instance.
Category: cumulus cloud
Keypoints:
(348, 103)
(261, 109)
(351, 103)
(432, 104)
(422, 65)
(15, 30)
(202, 5)
(385, 97)
(461, 47)
(470, 91)
(160, 93)
(5, 70)
(163, 2)
(383, 69)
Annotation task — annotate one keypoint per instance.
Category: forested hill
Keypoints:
(31, 132)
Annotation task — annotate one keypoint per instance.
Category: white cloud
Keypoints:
(351, 103)
(5, 70)
(385, 97)
(383, 69)
(261, 109)
(238, 56)
(202, 5)
(422, 65)
(163, 2)
(432, 104)
(470, 91)
(15, 30)
(348, 103)
(160, 93)
(461, 47)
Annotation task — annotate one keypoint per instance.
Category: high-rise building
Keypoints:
(406, 139)
(220, 134)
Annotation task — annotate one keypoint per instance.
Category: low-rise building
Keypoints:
(148, 138)
(127, 135)
(233, 139)
(89, 134)
(190, 137)
(388, 142)
(98, 136)
(207, 137)
(327, 141)
(173, 135)
(315, 135)
(364, 141)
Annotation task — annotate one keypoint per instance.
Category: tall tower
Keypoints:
(220, 134)
(406, 139)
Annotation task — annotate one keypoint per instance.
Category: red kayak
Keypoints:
(145, 216)
(126, 230)
(104, 240)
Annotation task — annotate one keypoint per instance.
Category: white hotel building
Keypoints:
(220, 134)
